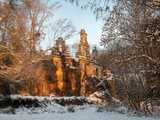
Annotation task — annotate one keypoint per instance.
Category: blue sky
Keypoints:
(81, 19)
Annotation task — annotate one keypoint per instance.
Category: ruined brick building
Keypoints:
(63, 75)
(71, 73)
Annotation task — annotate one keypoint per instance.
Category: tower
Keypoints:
(83, 51)
(58, 60)
(83, 56)
(62, 60)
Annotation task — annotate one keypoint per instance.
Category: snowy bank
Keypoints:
(85, 113)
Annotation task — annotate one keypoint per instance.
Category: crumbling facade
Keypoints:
(71, 74)
(63, 75)
(67, 70)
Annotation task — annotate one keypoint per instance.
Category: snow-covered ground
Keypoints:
(54, 111)
(57, 112)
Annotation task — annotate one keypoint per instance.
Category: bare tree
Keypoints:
(61, 28)
(133, 26)
(131, 37)
(37, 12)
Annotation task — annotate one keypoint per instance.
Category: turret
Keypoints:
(94, 53)
(83, 51)
(60, 44)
